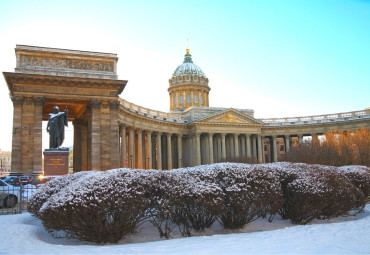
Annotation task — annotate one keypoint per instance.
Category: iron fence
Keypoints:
(15, 199)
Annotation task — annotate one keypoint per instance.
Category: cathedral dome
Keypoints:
(188, 86)
(188, 67)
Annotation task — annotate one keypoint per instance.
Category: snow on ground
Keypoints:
(23, 234)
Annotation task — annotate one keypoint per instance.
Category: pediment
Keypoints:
(230, 116)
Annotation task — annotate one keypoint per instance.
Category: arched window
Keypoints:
(174, 100)
(195, 99)
(188, 99)
(201, 99)
(181, 99)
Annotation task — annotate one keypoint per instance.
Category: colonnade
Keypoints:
(272, 150)
(150, 149)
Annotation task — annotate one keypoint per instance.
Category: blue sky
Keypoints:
(279, 58)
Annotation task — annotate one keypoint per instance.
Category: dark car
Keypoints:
(25, 179)
(13, 180)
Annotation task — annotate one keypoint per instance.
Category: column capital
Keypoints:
(17, 100)
(114, 105)
(39, 101)
(95, 103)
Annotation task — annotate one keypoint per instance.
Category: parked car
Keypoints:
(25, 179)
(9, 195)
(13, 180)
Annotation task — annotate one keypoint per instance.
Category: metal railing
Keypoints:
(317, 119)
(23, 195)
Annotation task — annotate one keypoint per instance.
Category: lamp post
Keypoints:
(131, 160)
(148, 162)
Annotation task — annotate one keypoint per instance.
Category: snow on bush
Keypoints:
(199, 202)
(250, 192)
(52, 187)
(103, 208)
(316, 191)
(107, 206)
(359, 176)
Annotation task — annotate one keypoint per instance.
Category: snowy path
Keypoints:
(22, 234)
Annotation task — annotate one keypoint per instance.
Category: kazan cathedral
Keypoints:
(110, 132)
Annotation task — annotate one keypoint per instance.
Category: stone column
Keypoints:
(197, 149)
(139, 149)
(254, 147)
(223, 144)
(159, 151)
(38, 105)
(77, 145)
(179, 146)
(236, 145)
(122, 129)
(131, 148)
(300, 139)
(274, 149)
(95, 135)
(210, 137)
(148, 147)
(169, 152)
(114, 135)
(243, 147)
(259, 148)
(219, 148)
(249, 148)
(17, 135)
(287, 143)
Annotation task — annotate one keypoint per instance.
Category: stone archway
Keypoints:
(85, 82)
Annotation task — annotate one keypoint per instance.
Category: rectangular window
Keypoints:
(188, 99)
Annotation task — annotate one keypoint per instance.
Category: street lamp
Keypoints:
(131, 160)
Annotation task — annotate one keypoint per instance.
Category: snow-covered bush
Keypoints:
(106, 206)
(359, 176)
(52, 187)
(250, 193)
(314, 191)
(199, 201)
(103, 208)
(161, 201)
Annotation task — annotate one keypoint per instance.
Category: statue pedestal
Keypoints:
(56, 161)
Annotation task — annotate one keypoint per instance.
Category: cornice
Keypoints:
(21, 78)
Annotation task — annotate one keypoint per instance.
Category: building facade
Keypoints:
(110, 132)
(5, 162)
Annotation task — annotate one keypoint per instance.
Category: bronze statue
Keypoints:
(56, 123)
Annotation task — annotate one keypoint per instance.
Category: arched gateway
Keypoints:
(110, 132)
